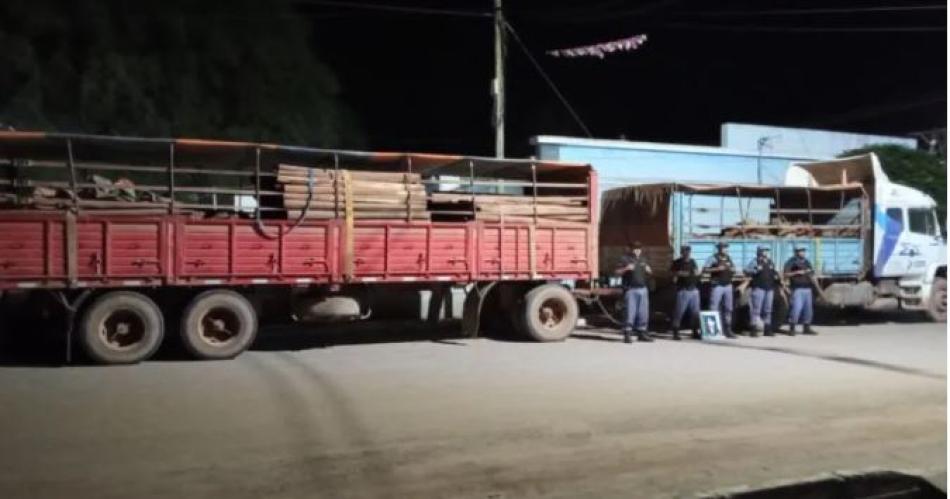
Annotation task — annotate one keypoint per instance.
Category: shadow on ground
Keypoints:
(832, 358)
(875, 484)
(45, 344)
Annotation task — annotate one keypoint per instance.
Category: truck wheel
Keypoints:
(218, 324)
(549, 313)
(121, 327)
(938, 300)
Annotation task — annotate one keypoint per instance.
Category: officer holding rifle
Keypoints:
(800, 274)
(763, 279)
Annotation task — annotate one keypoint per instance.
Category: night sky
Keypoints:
(421, 82)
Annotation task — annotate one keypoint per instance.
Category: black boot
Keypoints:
(769, 330)
(697, 335)
(730, 335)
(753, 332)
(644, 336)
(808, 330)
(791, 330)
(676, 335)
(626, 336)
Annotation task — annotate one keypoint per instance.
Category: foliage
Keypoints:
(239, 69)
(917, 169)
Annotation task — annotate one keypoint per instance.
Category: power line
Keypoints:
(809, 29)
(593, 16)
(547, 78)
(842, 10)
(399, 9)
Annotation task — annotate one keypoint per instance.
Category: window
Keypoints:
(921, 221)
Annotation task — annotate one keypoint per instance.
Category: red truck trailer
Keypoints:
(137, 239)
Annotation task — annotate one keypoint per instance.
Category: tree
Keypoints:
(917, 169)
(239, 69)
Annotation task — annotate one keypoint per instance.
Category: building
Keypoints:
(750, 154)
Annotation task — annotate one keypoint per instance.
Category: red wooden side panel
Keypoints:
(369, 249)
(504, 251)
(22, 249)
(570, 250)
(407, 250)
(253, 253)
(56, 248)
(203, 249)
(133, 249)
(449, 250)
(544, 249)
(305, 251)
(90, 244)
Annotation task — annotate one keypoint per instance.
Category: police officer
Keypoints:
(686, 277)
(799, 272)
(721, 269)
(635, 273)
(764, 278)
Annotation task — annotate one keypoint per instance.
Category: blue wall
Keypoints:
(619, 163)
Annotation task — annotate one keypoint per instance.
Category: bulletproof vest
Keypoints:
(723, 277)
(765, 277)
(686, 282)
(800, 281)
(636, 278)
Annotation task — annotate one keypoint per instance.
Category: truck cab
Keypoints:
(909, 253)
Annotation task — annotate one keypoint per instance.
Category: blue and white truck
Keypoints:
(908, 253)
(867, 237)
(870, 238)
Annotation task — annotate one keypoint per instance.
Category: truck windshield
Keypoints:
(922, 221)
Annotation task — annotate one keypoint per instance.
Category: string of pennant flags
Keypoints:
(600, 50)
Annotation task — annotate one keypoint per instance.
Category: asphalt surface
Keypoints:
(403, 414)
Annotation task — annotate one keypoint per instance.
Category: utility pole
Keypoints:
(498, 83)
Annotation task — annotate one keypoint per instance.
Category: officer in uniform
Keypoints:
(635, 273)
(764, 278)
(686, 277)
(799, 272)
(721, 269)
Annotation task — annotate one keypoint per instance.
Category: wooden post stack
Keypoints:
(514, 208)
(373, 195)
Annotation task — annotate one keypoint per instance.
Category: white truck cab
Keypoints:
(909, 253)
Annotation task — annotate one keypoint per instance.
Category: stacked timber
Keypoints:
(329, 193)
(787, 230)
(513, 208)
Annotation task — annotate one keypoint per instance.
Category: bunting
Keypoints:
(600, 50)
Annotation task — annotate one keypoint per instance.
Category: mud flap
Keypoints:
(472, 309)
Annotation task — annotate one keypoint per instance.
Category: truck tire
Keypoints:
(218, 324)
(121, 327)
(549, 313)
(938, 300)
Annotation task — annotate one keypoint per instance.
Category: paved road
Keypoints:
(334, 416)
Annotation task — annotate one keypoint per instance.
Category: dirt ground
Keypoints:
(311, 414)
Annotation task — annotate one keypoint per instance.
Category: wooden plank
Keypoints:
(357, 205)
(356, 184)
(542, 209)
(328, 189)
(381, 215)
(387, 203)
(303, 172)
(497, 217)
(443, 197)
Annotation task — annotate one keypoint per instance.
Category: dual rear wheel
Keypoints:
(547, 313)
(126, 327)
